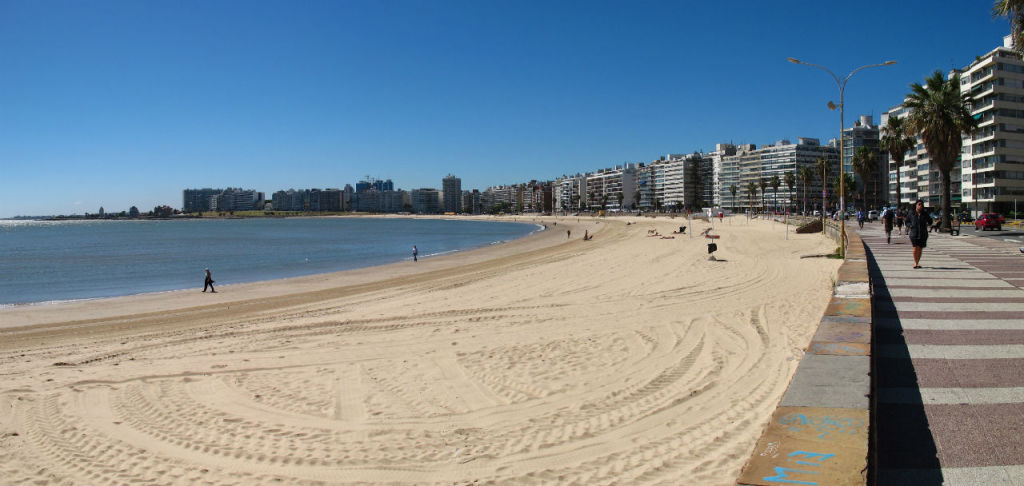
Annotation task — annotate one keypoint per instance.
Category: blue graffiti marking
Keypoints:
(825, 426)
(782, 478)
(781, 475)
(810, 455)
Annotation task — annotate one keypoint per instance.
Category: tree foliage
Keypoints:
(897, 143)
(940, 115)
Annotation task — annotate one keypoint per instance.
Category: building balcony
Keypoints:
(983, 92)
(985, 135)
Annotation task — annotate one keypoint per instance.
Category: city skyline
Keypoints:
(105, 106)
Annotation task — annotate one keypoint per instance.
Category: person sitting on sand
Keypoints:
(682, 231)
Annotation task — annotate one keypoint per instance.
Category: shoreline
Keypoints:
(538, 228)
(48, 312)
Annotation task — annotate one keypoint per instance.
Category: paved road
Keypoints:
(949, 360)
(1009, 235)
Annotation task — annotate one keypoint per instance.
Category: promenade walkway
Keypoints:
(948, 360)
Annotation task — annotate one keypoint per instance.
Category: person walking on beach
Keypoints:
(917, 225)
(415, 253)
(568, 234)
(887, 220)
(208, 282)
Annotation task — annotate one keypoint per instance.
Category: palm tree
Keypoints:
(940, 115)
(849, 181)
(823, 166)
(897, 143)
(733, 190)
(863, 163)
(619, 196)
(636, 198)
(790, 180)
(1014, 10)
(775, 183)
(751, 192)
(763, 184)
(806, 175)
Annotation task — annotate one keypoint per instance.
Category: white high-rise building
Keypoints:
(992, 160)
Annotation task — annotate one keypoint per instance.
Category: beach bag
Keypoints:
(712, 247)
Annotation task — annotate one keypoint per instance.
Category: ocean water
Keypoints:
(46, 261)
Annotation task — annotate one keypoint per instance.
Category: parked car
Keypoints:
(966, 218)
(873, 215)
(989, 221)
(817, 213)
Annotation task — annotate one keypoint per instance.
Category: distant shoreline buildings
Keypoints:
(800, 176)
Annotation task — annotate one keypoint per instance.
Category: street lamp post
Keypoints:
(842, 125)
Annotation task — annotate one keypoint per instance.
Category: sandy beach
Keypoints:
(627, 359)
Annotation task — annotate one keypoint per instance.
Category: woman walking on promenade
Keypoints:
(917, 225)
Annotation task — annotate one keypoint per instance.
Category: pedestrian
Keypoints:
(887, 220)
(568, 234)
(900, 219)
(860, 218)
(917, 224)
(208, 282)
(415, 253)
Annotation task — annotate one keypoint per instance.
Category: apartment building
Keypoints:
(750, 164)
(451, 188)
(864, 134)
(606, 187)
(230, 199)
(729, 175)
(991, 169)
(471, 202)
(374, 201)
(512, 195)
(712, 175)
(567, 192)
(539, 197)
(425, 201)
(195, 200)
(375, 184)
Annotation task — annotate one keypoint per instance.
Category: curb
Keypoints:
(819, 433)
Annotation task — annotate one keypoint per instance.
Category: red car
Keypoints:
(989, 221)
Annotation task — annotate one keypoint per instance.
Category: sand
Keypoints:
(626, 359)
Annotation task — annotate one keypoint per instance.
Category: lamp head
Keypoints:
(832, 106)
(794, 61)
(890, 63)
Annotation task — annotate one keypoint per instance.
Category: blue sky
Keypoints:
(114, 104)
